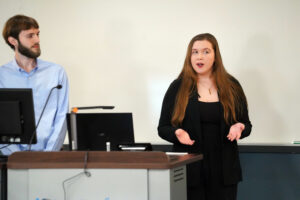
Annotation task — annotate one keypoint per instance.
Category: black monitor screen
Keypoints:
(95, 129)
(17, 122)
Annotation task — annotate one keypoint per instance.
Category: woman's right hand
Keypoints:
(183, 137)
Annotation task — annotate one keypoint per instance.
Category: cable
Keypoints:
(85, 172)
(34, 132)
(88, 174)
(65, 181)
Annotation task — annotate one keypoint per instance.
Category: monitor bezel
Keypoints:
(87, 140)
(25, 97)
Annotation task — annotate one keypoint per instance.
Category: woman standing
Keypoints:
(205, 111)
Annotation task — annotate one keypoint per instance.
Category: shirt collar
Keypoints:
(18, 68)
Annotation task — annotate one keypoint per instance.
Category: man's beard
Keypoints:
(27, 52)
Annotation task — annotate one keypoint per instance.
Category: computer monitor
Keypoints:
(17, 121)
(94, 130)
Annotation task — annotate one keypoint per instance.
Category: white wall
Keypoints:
(126, 53)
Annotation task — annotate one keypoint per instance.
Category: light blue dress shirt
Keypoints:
(52, 128)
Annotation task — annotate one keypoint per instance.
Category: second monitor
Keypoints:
(94, 130)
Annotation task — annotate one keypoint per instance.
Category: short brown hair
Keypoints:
(15, 25)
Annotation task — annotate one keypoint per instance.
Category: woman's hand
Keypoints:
(183, 137)
(235, 131)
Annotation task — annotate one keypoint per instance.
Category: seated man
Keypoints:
(21, 33)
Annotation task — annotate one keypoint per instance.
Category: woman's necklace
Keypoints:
(209, 89)
(204, 85)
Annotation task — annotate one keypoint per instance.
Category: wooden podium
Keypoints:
(97, 175)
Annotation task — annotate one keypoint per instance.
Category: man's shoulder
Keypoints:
(7, 66)
(10, 63)
(50, 67)
(45, 64)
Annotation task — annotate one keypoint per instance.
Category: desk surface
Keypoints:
(249, 148)
(98, 159)
(269, 148)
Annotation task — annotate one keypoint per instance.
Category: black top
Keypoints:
(231, 169)
(210, 124)
(210, 114)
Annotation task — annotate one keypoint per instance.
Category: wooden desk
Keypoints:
(114, 175)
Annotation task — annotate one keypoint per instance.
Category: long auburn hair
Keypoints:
(230, 93)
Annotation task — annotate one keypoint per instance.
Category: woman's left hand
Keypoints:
(235, 131)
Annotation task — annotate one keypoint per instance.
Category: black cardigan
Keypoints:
(191, 123)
